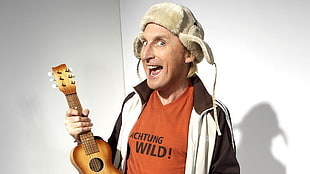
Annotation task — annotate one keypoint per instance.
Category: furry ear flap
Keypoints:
(137, 45)
(197, 47)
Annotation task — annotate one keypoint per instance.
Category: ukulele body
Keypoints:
(99, 162)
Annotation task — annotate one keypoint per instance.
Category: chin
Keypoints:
(152, 84)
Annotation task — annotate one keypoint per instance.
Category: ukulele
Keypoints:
(92, 155)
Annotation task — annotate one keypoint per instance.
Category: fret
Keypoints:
(74, 102)
(89, 143)
(90, 146)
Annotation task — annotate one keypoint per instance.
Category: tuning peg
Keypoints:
(50, 74)
(54, 86)
(71, 76)
(69, 69)
(52, 80)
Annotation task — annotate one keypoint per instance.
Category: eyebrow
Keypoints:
(156, 38)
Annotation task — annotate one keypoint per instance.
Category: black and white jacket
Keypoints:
(207, 152)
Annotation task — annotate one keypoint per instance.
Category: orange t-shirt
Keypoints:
(158, 141)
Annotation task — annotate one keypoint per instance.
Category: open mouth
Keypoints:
(154, 70)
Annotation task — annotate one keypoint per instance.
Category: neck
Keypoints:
(169, 95)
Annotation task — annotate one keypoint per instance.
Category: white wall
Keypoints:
(261, 48)
(262, 52)
(34, 36)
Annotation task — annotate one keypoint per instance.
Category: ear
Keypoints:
(189, 57)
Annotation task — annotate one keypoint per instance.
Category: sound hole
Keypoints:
(96, 164)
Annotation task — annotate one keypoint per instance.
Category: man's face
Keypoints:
(164, 58)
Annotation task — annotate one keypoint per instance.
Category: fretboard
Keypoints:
(87, 139)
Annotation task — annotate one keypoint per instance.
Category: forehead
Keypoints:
(155, 30)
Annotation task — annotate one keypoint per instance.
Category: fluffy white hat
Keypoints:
(180, 21)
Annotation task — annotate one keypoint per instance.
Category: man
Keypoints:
(170, 123)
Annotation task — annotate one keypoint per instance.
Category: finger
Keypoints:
(85, 112)
(80, 124)
(72, 112)
(78, 127)
(77, 121)
(76, 132)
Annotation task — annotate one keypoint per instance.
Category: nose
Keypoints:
(147, 52)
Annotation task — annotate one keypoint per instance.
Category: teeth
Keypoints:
(151, 67)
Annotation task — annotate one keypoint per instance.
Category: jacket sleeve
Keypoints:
(224, 159)
(113, 140)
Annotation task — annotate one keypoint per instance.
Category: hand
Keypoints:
(77, 124)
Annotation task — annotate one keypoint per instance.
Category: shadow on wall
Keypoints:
(258, 128)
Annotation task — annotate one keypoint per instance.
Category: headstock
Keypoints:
(64, 79)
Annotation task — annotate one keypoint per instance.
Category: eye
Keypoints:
(144, 42)
(161, 43)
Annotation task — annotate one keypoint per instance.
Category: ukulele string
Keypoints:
(94, 161)
(96, 164)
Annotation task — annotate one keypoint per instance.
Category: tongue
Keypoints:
(155, 72)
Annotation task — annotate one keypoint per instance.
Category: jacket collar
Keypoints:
(202, 99)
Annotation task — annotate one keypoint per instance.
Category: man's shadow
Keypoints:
(257, 129)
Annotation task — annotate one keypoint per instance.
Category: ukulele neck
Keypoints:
(87, 138)
(74, 102)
